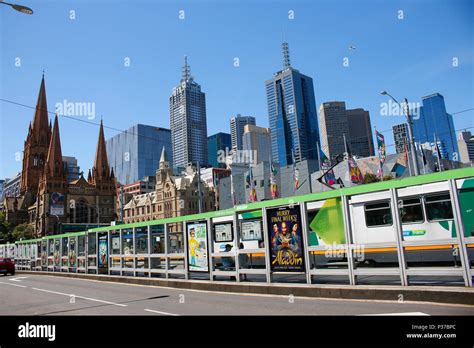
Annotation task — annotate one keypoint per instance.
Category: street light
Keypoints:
(411, 138)
(19, 8)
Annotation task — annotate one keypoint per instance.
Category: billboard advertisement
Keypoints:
(103, 250)
(286, 239)
(56, 204)
(197, 247)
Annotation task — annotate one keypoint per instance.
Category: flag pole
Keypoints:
(347, 154)
(408, 157)
(319, 156)
(438, 152)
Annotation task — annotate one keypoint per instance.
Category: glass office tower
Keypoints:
(188, 122)
(292, 114)
(433, 120)
(215, 143)
(135, 153)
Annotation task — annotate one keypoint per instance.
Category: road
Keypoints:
(32, 294)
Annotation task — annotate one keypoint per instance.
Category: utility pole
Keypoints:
(411, 138)
(416, 169)
(121, 203)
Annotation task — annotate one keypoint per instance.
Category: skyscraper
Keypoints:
(237, 124)
(466, 147)
(257, 139)
(333, 122)
(135, 153)
(215, 143)
(292, 114)
(73, 170)
(434, 121)
(188, 122)
(400, 136)
(336, 121)
(360, 132)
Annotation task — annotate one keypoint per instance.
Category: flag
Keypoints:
(329, 176)
(355, 173)
(381, 150)
(437, 149)
(296, 174)
(423, 156)
(273, 182)
(252, 184)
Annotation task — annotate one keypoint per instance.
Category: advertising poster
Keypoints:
(326, 225)
(103, 252)
(197, 247)
(56, 204)
(223, 233)
(72, 252)
(251, 230)
(286, 239)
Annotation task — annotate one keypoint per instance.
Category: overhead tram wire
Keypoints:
(145, 137)
(453, 113)
(76, 119)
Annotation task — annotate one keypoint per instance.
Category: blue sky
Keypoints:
(83, 59)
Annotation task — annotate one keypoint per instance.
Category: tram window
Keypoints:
(91, 243)
(64, 246)
(127, 241)
(81, 246)
(157, 239)
(411, 211)
(438, 207)
(141, 240)
(378, 214)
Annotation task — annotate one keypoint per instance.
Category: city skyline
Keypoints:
(22, 81)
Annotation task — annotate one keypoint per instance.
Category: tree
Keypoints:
(23, 231)
(370, 178)
(5, 229)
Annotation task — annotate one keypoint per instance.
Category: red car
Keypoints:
(7, 266)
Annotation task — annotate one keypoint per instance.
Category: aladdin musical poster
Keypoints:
(286, 239)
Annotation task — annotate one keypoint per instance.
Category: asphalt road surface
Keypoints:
(49, 295)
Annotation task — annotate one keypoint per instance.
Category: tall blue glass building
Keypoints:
(432, 119)
(215, 143)
(136, 152)
(292, 114)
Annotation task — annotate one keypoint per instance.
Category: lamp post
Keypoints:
(19, 8)
(411, 138)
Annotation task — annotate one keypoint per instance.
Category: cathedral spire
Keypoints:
(54, 162)
(101, 168)
(40, 120)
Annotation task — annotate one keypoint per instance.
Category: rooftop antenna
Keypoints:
(186, 70)
(286, 55)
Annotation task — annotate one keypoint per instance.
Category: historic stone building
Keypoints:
(173, 196)
(48, 201)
